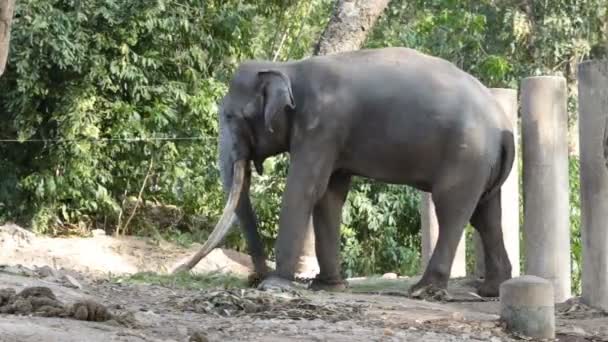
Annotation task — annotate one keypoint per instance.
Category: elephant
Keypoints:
(393, 115)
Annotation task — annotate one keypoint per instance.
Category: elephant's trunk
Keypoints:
(224, 224)
(235, 175)
(244, 210)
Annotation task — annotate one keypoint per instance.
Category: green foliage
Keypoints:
(380, 229)
(499, 42)
(81, 71)
(575, 226)
(89, 70)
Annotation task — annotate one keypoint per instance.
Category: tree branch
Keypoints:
(349, 25)
(139, 196)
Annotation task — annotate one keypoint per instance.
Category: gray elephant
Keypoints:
(392, 114)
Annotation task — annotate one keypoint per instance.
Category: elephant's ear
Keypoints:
(277, 94)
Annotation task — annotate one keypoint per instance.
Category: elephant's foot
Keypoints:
(430, 289)
(254, 279)
(490, 287)
(474, 282)
(430, 292)
(276, 283)
(330, 285)
(260, 272)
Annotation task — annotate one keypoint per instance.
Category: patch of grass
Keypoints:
(378, 284)
(186, 280)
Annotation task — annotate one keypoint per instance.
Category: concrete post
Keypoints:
(307, 266)
(507, 98)
(545, 181)
(526, 305)
(593, 118)
(430, 233)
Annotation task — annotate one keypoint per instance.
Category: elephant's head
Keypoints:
(254, 124)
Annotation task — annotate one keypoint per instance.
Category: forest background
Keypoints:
(95, 94)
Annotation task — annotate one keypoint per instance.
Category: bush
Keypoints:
(380, 231)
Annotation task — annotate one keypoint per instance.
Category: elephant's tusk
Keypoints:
(225, 222)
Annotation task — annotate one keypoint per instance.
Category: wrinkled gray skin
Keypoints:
(393, 115)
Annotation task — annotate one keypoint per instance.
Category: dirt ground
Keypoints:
(72, 294)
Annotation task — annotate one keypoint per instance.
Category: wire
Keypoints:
(106, 139)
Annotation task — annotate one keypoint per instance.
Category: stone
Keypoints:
(72, 282)
(527, 306)
(198, 336)
(546, 227)
(98, 232)
(457, 316)
(389, 276)
(47, 271)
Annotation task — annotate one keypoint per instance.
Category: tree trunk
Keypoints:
(606, 31)
(346, 31)
(7, 8)
(349, 25)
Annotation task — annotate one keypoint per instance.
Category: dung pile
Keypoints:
(41, 301)
(267, 305)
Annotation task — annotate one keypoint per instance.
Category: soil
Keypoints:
(64, 290)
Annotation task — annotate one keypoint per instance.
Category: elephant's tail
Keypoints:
(507, 157)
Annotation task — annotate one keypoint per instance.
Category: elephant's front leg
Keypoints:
(306, 182)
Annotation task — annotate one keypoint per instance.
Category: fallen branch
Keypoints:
(139, 196)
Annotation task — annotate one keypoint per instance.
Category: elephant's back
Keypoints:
(418, 80)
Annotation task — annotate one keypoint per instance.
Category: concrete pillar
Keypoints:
(430, 233)
(545, 181)
(307, 266)
(526, 305)
(507, 98)
(593, 120)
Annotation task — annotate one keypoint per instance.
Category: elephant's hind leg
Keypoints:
(487, 221)
(326, 220)
(454, 206)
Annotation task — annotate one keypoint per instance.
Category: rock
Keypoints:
(573, 330)
(487, 325)
(198, 336)
(72, 282)
(389, 276)
(15, 233)
(485, 335)
(47, 271)
(457, 316)
(98, 232)
(18, 270)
